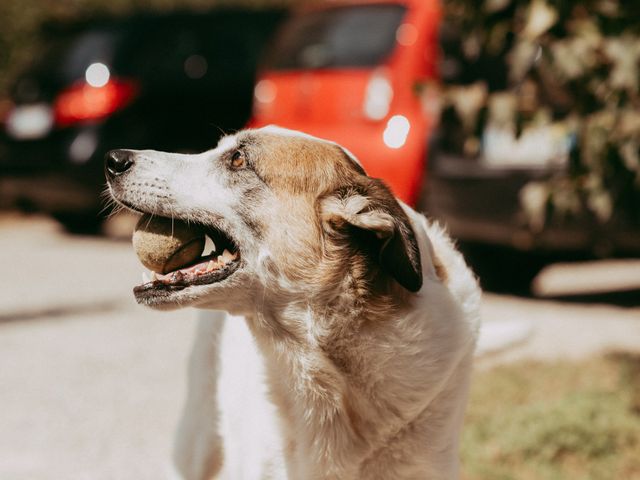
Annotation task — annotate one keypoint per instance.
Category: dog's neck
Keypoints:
(339, 375)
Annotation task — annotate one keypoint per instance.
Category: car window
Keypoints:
(158, 55)
(352, 36)
(213, 51)
(67, 57)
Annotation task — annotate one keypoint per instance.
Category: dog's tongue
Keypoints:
(164, 245)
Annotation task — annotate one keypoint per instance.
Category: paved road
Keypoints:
(91, 384)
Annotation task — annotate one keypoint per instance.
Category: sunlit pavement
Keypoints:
(91, 384)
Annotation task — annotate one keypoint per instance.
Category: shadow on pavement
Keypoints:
(626, 298)
(61, 311)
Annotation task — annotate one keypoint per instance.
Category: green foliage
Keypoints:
(571, 67)
(535, 421)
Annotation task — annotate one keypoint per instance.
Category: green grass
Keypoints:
(561, 421)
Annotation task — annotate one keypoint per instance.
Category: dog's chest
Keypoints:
(248, 419)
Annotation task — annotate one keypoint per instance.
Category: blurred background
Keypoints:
(516, 123)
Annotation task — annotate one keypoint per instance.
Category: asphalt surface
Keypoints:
(91, 384)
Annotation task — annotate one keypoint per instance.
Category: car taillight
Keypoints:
(378, 96)
(82, 102)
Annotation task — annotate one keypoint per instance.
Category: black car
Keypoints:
(168, 82)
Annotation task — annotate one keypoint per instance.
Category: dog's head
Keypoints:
(300, 213)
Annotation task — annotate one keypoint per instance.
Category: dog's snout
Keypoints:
(117, 162)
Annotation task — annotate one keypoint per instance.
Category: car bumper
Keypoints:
(482, 205)
(49, 174)
(49, 193)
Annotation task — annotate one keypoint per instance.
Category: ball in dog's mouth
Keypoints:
(177, 253)
(163, 245)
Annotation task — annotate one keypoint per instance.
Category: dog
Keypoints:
(338, 342)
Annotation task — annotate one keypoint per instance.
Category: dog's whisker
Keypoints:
(115, 210)
(172, 220)
(149, 220)
(111, 206)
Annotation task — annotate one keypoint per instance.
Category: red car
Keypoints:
(358, 73)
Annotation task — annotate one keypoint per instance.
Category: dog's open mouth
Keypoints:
(186, 254)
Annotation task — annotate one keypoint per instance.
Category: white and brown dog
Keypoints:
(346, 349)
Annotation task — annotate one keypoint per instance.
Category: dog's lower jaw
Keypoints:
(339, 425)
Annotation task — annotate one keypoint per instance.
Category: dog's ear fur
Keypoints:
(371, 209)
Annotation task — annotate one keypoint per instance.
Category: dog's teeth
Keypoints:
(209, 246)
(146, 277)
(176, 276)
(211, 266)
(227, 256)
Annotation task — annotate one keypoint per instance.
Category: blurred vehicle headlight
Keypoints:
(97, 75)
(397, 131)
(265, 91)
(83, 146)
(264, 94)
(28, 122)
(378, 96)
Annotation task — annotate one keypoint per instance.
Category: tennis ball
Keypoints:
(164, 245)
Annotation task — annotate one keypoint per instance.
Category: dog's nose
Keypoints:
(116, 162)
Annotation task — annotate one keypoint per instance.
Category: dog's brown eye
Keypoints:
(238, 159)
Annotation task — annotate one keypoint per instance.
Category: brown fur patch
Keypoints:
(299, 165)
(331, 253)
(354, 419)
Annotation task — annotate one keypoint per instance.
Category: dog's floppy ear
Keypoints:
(370, 208)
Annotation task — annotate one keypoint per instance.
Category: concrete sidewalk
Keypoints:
(47, 272)
(91, 384)
(91, 397)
